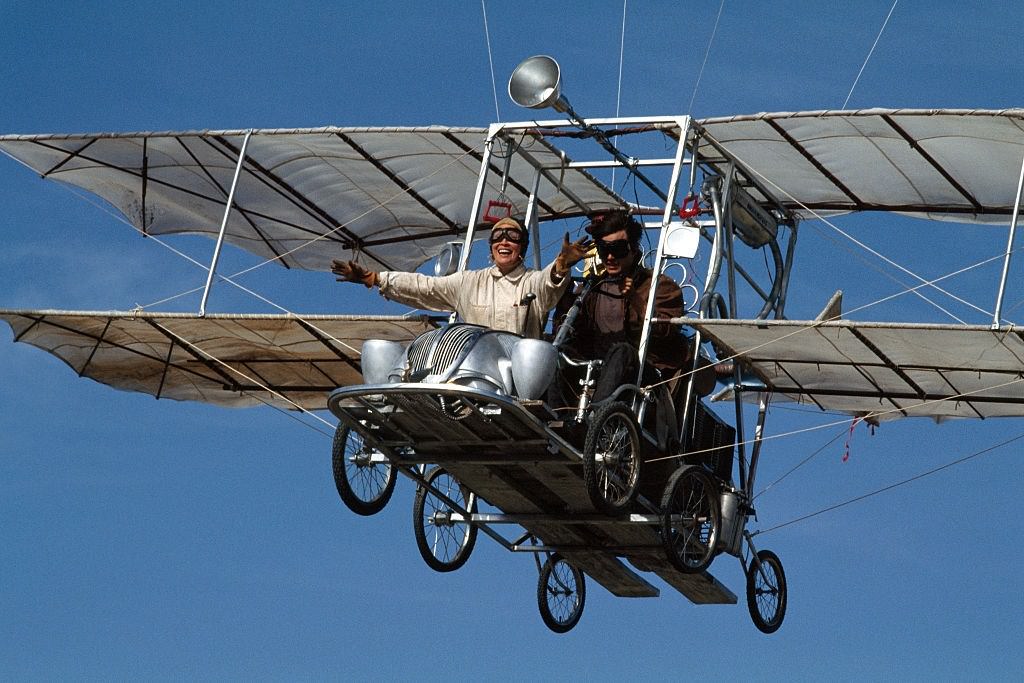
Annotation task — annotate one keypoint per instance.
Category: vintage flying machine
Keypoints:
(651, 480)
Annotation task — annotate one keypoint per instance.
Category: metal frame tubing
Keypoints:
(223, 225)
(1009, 250)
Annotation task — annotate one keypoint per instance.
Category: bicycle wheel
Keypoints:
(561, 594)
(364, 483)
(444, 537)
(691, 519)
(611, 458)
(766, 591)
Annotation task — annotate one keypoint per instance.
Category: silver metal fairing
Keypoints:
(534, 363)
(379, 357)
(733, 523)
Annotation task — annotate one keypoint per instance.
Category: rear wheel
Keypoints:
(444, 536)
(766, 591)
(691, 519)
(364, 480)
(561, 594)
(611, 458)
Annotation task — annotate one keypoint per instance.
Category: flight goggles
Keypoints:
(617, 248)
(513, 235)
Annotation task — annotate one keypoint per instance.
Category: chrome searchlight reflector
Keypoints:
(536, 84)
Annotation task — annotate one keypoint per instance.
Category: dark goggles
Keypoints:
(513, 235)
(617, 248)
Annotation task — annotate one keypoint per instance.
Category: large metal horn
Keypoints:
(535, 84)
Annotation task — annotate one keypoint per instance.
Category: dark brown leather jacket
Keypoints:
(667, 348)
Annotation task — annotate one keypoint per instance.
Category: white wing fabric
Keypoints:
(288, 361)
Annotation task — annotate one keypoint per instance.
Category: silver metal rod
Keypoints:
(659, 257)
(790, 250)
(611, 164)
(480, 518)
(730, 254)
(730, 238)
(715, 258)
(481, 183)
(531, 221)
(1009, 250)
(223, 225)
(751, 475)
(608, 121)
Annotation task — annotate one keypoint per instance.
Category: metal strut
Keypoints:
(224, 225)
(1009, 250)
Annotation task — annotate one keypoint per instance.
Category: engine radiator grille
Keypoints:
(436, 351)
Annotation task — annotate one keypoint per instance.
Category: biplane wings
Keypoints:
(940, 164)
(881, 370)
(229, 360)
(393, 196)
(389, 196)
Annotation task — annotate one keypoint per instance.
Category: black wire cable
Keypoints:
(891, 486)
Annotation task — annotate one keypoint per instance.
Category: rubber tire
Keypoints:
(593, 472)
(446, 536)
(772, 622)
(363, 500)
(554, 569)
(690, 492)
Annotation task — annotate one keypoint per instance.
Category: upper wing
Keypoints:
(955, 165)
(884, 370)
(392, 196)
(230, 360)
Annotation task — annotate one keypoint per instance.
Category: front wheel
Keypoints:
(561, 594)
(691, 519)
(364, 478)
(444, 536)
(611, 458)
(766, 591)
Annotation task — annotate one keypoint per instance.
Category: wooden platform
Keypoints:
(510, 455)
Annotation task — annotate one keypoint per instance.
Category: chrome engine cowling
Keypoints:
(468, 355)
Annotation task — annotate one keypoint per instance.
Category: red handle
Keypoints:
(690, 207)
(495, 204)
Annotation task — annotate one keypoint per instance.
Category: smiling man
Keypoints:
(497, 297)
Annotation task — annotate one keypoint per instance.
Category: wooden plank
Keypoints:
(700, 589)
(492, 484)
(611, 573)
(531, 480)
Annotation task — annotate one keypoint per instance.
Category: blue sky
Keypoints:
(143, 538)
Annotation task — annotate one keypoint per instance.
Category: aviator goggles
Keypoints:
(513, 235)
(617, 248)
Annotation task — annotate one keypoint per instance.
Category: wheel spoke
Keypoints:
(766, 591)
(563, 596)
(447, 537)
(691, 521)
(444, 543)
(611, 458)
